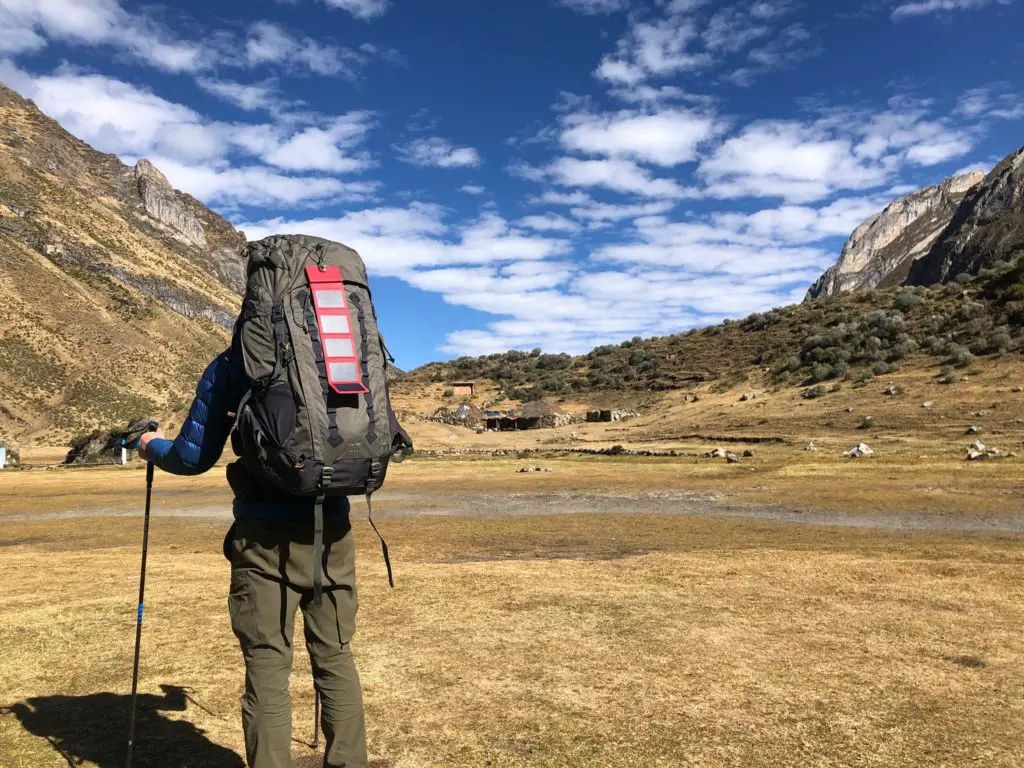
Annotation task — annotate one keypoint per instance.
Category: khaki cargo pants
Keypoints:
(272, 576)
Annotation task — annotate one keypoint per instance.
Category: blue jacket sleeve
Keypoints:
(201, 440)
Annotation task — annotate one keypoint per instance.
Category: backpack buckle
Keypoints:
(326, 476)
(277, 313)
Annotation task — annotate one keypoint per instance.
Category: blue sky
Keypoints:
(552, 173)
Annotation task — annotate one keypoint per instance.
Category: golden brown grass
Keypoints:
(581, 640)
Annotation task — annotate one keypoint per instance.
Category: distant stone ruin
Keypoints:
(537, 415)
(594, 417)
(465, 415)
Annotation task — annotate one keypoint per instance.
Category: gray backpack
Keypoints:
(317, 420)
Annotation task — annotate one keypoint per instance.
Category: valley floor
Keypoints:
(613, 611)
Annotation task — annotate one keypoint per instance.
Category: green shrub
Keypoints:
(822, 372)
(1000, 342)
(960, 356)
(906, 300)
(814, 393)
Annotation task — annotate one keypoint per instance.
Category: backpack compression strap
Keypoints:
(318, 535)
(383, 544)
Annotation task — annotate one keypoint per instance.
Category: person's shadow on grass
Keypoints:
(94, 728)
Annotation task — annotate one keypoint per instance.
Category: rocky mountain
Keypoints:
(116, 288)
(882, 250)
(988, 228)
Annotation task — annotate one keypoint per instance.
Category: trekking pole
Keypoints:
(131, 440)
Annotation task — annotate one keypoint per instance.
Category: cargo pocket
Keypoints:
(242, 609)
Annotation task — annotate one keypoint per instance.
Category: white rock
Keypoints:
(863, 449)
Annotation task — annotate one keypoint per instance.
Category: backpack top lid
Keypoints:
(292, 252)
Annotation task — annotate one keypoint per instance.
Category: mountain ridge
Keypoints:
(111, 309)
(881, 251)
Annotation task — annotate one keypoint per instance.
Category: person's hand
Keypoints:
(144, 441)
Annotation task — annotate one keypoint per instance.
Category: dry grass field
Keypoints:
(612, 612)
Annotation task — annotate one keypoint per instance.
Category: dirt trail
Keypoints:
(402, 504)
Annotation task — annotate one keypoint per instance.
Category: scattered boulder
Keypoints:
(893, 391)
(928, 404)
(811, 447)
(748, 454)
(973, 430)
(747, 397)
(1018, 389)
(849, 410)
(718, 453)
(978, 451)
(980, 414)
(527, 470)
(860, 450)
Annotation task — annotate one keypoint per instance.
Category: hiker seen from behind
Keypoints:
(302, 393)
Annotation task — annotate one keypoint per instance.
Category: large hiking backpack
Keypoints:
(317, 420)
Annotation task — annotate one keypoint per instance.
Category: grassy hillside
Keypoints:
(107, 313)
(851, 338)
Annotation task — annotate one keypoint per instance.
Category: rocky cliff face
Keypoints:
(161, 202)
(116, 289)
(882, 250)
(987, 228)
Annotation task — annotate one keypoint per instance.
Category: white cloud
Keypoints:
(112, 115)
(789, 46)
(655, 48)
(269, 43)
(994, 101)
(842, 150)
(219, 184)
(549, 222)
(472, 189)
(924, 7)
(594, 7)
(16, 39)
(617, 174)
(217, 162)
(666, 138)
(438, 153)
(325, 149)
(26, 24)
(362, 9)
(400, 241)
(248, 96)
(730, 29)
